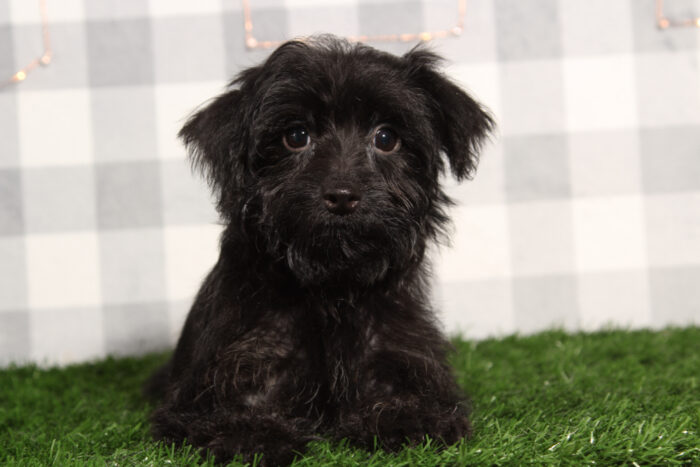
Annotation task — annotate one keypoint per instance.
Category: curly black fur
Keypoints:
(312, 323)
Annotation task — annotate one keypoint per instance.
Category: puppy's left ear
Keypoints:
(459, 121)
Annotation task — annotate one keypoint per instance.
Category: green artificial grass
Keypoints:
(606, 398)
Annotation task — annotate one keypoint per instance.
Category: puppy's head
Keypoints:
(329, 155)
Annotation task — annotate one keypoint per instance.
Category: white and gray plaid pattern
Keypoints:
(585, 211)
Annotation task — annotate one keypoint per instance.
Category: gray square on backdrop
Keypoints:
(9, 129)
(596, 27)
(477, 309)
(376, 18)
(132, 265)
(541, 237)
(532, 93)
(68, 66)
(128, 195)
(536, 167)
(11, 214)
(14, 337)
(66, 335)
(528, 30)
(7, 56)
(648, 37)
(605, 162)
(186, 196)
(268, 25)
(270, 21)
(231, 5)
(488, 185)
(545, 302)
(379, 18)
(340, 20)
(123, 123)
(476, 43)
(618, 298)
(670, 158)
(13, 271)
(111, 9)
(136, 329)
(4, 12)
(59, 199)
(675, 295)
(188, 48)
(120, 52)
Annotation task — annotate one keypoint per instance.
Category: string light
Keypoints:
(44, 59)
(253, 43)
(664, 23)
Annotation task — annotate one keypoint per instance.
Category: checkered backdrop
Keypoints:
(585, 212)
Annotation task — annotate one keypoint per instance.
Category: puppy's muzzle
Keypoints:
(341, 201)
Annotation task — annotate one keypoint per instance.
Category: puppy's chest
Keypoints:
(294, 354)
(346, 350)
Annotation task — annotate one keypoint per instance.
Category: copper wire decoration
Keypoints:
(664, 23)
(43, 60)
(252, 42)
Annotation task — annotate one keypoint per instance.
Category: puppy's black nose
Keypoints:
(341, 201)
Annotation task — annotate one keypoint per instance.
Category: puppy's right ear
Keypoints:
(461, 123)
(216, 139)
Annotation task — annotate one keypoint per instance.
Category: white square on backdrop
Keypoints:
(184, 7)
(177, 314)
(55, 127)
(479, 245)
(27, 11)
(190, 253)
(600, 93)
(63, 270)
(609, 233)
(669, 88)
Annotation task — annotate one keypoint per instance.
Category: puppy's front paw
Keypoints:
(272, 448)
(451, 427)
(396, 426)
(411, 427)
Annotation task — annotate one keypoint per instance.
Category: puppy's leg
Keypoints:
(406, 391)
(251, 396)
(226, 433)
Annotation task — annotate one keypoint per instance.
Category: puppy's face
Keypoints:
(329, 155)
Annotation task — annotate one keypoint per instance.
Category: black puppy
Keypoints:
(315, 320)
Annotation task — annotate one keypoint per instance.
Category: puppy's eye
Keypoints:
(386, 140)
(296, 138)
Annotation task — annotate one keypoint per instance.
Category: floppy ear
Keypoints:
(460, 122)
(213, 135)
